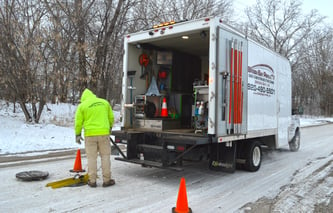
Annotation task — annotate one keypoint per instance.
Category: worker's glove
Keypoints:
(78, 139)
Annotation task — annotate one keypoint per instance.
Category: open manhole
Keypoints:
(32, 175)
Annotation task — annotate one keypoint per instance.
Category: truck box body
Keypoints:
(221, 90)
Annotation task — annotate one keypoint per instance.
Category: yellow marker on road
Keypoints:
(77, 180)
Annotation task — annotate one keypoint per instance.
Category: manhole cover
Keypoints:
(32, 175)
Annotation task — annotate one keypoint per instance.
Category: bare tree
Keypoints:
(313, 82)
(79, 22)
(96, 28)
(67, 49)
(59, 57)
(21, 43)
(147, 13)
(280, 25)
(105, 34)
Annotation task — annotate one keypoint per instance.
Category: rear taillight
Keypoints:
(180, 148)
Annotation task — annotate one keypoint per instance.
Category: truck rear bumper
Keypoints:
(147, 163)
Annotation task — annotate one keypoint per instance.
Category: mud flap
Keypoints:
(223, 157)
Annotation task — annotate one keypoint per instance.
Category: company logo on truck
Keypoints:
(261, 80)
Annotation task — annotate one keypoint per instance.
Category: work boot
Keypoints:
(109, 183)
(92, 184)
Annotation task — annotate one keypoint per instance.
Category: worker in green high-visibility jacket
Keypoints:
(95, 116)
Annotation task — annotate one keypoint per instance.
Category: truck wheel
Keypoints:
(295, 143)
(253, 156)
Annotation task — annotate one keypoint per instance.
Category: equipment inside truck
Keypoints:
(174, 74)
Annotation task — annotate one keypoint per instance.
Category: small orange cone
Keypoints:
(164, 111)
(182, 206)
(77, 163)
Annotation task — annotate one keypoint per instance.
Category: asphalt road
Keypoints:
(286, 181)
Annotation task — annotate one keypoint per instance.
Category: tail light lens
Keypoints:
(180, 148)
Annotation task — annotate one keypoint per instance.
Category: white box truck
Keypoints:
(201, 90)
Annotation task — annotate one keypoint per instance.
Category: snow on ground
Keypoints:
(55, 129)
(287, 182)
(307, 120)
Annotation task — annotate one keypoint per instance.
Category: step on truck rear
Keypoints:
(201, 90)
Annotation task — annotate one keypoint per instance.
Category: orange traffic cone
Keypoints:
(77, 163)
(182, 206)
(164, 111)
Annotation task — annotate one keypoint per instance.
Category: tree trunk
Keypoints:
(40, 110)
(83, 79)
(26, 112)
(14, 102)
(34, 111)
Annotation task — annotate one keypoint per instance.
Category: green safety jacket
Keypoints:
(94, 115)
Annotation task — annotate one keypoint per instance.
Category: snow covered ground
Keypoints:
(55, 130)
(287, 181)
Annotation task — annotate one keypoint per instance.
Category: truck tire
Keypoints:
(295, 143)
(253, 156)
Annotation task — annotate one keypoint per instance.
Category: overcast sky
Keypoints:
(324, 7)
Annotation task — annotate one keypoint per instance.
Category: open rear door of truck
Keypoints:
(232, 83)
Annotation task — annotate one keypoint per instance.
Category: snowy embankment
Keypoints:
(54, 131)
